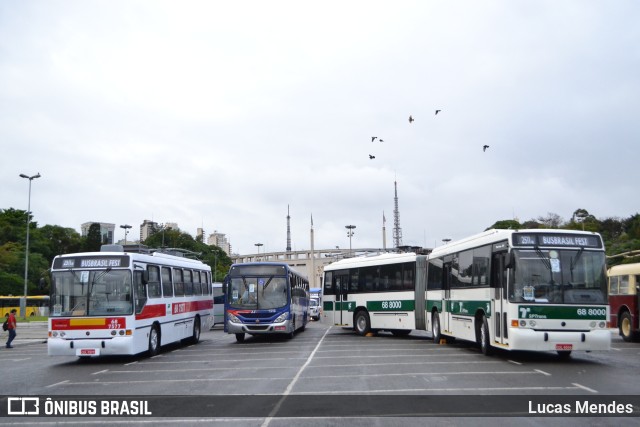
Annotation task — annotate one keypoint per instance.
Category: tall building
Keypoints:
(147, 228)
(219, 240)
(107, 231)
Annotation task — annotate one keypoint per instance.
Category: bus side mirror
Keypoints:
(42, 284)
(509, 260)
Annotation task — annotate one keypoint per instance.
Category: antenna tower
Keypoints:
(397, 231)
(288, 230)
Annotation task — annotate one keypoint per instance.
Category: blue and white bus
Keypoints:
(265, 298)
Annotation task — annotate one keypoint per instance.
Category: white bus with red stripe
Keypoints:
(123, 303)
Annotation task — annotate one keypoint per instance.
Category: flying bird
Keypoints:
(484, 147)
(437, 111)
(373, 138)
(371, 157)
(381, 140)
(411, 119)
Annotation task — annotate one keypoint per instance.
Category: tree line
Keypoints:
(621, 235)
(50, 240)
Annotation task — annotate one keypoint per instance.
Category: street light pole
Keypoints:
(23, 300)
(258, 245)
(350, 233)
(126, 231)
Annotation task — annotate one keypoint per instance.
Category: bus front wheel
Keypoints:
(362, 322)
(625, 325)
(195, 338)
(240, 337)
(154, 341)
(485, 339)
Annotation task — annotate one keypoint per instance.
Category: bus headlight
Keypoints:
(281, 318)
(232, 318)
(602, 324)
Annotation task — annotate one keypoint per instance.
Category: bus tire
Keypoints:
(485, 338)
(436, 332)
(154, 341)
(362, 323)
(240, 337)
(625, 325)
(195, 338)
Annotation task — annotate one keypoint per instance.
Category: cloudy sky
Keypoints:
(220, 114)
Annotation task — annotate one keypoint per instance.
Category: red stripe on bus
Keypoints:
(88, 323)
(151, 311)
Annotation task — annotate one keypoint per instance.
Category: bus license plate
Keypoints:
(564, 346)
(88, 352)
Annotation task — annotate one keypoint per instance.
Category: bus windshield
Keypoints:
(91, 293)
(559, 276)
(258, 292)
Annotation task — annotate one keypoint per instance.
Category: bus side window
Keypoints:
(613, 285)
(140, 291)
(624, 285)
(167, 286)
(153, 287)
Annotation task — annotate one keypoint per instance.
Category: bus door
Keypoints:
(499, 265)
(341, 313)
(446, 292)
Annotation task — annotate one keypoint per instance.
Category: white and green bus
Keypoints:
(538, 290)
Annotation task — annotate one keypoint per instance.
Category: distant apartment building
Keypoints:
(107, 231)
(147, 228)
(219, 240)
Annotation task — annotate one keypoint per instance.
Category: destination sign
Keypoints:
(556, 239)
(91, 262)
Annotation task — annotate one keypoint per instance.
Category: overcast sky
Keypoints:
(221, 114)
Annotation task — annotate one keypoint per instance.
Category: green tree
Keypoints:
(94, 238)
(52, 240)
(506, 224)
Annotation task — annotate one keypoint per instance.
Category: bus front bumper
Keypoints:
(529, 339)
(285, 327)
(89, 347)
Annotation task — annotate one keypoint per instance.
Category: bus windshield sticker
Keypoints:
(527, 293)
(555, 265)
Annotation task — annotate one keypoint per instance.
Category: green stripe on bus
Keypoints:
(564, 312)
(468, 308)
(391, 305)
(434, 303)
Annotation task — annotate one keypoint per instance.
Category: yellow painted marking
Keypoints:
(87, 322)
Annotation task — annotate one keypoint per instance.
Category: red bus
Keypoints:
(624, 281)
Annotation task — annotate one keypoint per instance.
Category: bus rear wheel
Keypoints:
(435, 327)
(154, 341)
(362, 323)
(625, 325)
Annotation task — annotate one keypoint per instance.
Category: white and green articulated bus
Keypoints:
(536, 290)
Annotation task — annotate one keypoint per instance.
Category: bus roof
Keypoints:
(622, 269)
(390, 258)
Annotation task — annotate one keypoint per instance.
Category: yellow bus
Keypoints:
(37, 305)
